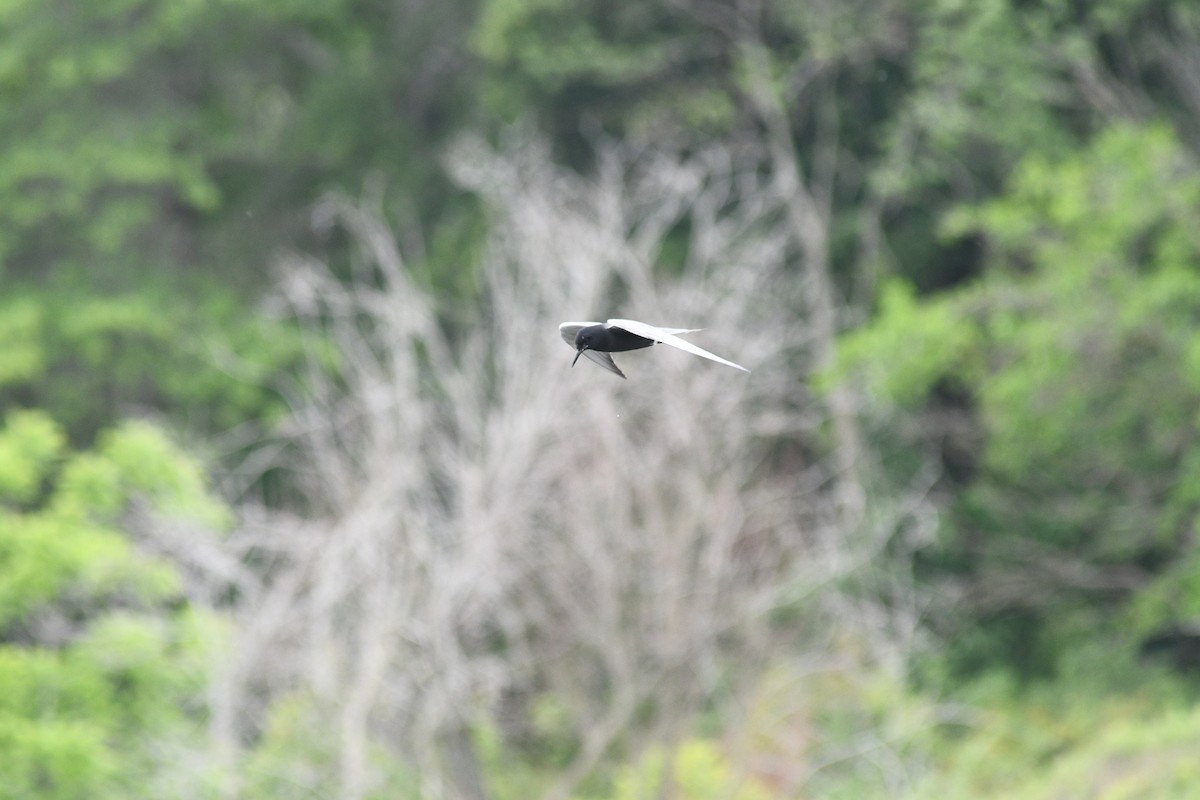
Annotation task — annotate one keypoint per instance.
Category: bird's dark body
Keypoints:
(610, 339)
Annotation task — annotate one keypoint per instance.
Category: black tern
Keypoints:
(597, 339)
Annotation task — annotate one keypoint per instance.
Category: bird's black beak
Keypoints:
(578, 353)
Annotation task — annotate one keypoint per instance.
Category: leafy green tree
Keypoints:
(988, 84)
(205, 361)
(1059, 391)
(163, 135)
(102, 660)
(154, 155)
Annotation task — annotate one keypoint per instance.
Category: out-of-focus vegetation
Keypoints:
(103, 662)
(297, 499)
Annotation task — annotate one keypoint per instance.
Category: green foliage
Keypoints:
(991, 84)
(1173, 597)
(151, 467)
(88, 357)
(1087, 397)
(141, 132)
(1152, 759)
(81, 157)
(658, 70)
(99, 663)
(29, 444)
(556, 49)
(290, 756)
(955, 111)
(297, 756)
(1073, 355)
(509, 30)
(1113, 728)
(511, 773)
(152, 163)
(696, 769)
(1107, 718)
(154, 154)
(55, 760)
(910, 346)
(21, 323)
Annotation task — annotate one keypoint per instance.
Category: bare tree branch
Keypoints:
(484, 522)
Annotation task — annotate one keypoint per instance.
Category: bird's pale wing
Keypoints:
(604, 360)
(568, 330)
(668, 336)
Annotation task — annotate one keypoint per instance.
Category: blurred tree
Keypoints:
(943, 97)
(159, 135)
(801, 84)
(154, 155)
(204, 360)
(993, 82)
(497, 547)
(102, 662)
(683, 73)
(1075, 358)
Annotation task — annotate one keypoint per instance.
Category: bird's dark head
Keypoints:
(583, 341)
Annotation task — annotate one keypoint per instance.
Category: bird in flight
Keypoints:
(597, 340)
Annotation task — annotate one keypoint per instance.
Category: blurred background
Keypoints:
(300, 497)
